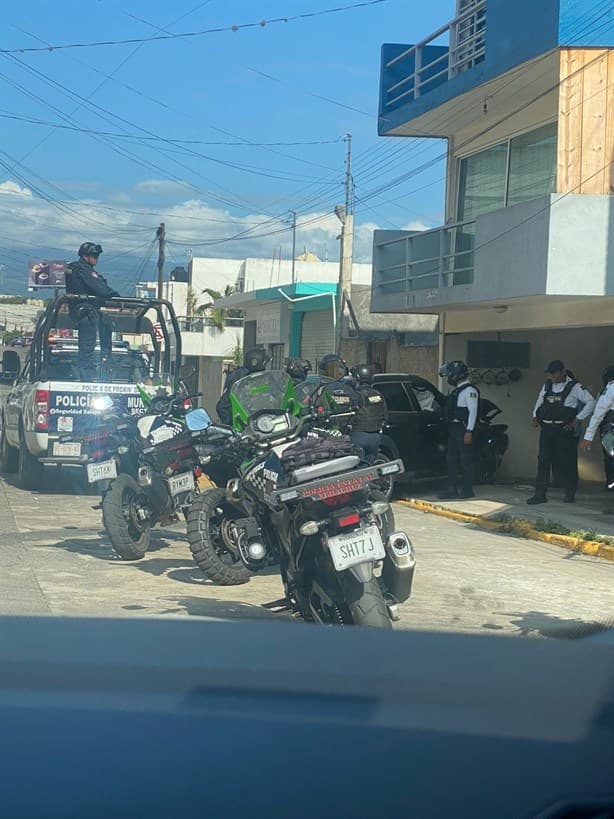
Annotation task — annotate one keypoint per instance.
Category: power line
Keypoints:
(190, 34)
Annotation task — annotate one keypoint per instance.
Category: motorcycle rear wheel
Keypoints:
(210, 542)
(129, 537)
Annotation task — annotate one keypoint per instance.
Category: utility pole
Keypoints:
(293, 212)
(161, 237)
(345, 214)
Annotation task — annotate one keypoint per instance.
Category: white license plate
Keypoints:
(67, 450)
(104, 471)
(359, 546)
(181, 483)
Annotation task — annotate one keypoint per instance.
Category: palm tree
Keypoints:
(218, 315)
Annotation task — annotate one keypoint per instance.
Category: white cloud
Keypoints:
(127, 231)
(10, 188)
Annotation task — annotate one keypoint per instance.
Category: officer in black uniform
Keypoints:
(371, 414)
(254, 361)
(462, 415)
(340, 397)
(561, 405)
(83, 280)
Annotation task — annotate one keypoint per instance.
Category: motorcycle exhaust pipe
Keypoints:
(399, 567)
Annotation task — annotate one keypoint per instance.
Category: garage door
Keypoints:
(317, 336)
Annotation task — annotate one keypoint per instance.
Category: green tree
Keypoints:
(218, 315)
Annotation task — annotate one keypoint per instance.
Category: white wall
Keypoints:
(586, 351)
(215, 274)
(211, 342)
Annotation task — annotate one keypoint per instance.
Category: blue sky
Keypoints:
(115, 189)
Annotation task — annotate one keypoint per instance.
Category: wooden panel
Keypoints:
(593, 122)
(569, 150)
(609, 127)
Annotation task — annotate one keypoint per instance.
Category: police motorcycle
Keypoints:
(302, 501)
(151, 468)
(492, 442)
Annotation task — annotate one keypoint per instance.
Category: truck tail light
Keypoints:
(41, 410)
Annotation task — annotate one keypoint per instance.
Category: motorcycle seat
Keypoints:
(321, 470)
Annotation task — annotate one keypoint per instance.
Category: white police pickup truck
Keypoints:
(49, 408)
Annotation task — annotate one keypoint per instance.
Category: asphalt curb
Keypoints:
(516, 526)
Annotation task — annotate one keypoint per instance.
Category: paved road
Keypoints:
(56, 559)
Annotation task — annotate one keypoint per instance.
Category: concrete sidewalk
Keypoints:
(592, 512)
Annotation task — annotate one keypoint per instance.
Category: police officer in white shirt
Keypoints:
(462, 415)
(561, 405)
(602, 416)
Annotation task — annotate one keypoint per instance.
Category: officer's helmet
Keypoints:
(332, 366)
(454, 371)
(298, 368)
(364, 374)
(89, 249)
(255, 360)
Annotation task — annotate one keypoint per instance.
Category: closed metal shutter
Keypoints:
(317, 336)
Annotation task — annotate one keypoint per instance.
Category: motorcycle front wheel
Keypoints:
(129, 535)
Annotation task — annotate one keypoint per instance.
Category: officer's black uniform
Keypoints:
(460, 456)
(83, 280)
(369, 420)
(223, 406)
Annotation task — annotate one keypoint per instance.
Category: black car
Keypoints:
(416, 430)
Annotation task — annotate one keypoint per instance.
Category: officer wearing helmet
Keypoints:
(82, 279)
(602, 419)
(462, 415)
(254, 361)
(371, 413)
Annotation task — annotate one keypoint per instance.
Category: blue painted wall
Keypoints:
(516, 31)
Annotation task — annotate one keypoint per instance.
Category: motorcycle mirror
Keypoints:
(197, 420)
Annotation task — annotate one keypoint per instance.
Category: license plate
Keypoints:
(67, 450)
(181, 483)
(104, 471)
(359, 546)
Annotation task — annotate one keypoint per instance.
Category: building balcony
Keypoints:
(495, 54)
(556, 246)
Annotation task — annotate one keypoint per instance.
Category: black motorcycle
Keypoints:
(306, 504)
(150, 469)
(491, 444)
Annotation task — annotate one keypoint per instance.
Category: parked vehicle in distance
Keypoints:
(21, 341)
(417, 430)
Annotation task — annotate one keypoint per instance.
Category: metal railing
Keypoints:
(429, 260)
(466, 48)
(197, 324)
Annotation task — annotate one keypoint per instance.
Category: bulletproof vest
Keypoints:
(371, 415)
(453, 411)
(553, 409)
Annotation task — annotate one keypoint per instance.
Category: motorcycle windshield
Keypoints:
(269, 390)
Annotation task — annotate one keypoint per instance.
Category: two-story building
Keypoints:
(522, 271)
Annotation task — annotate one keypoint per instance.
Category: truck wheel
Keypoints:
(8, 454)
(28, 468)
(129, 535)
